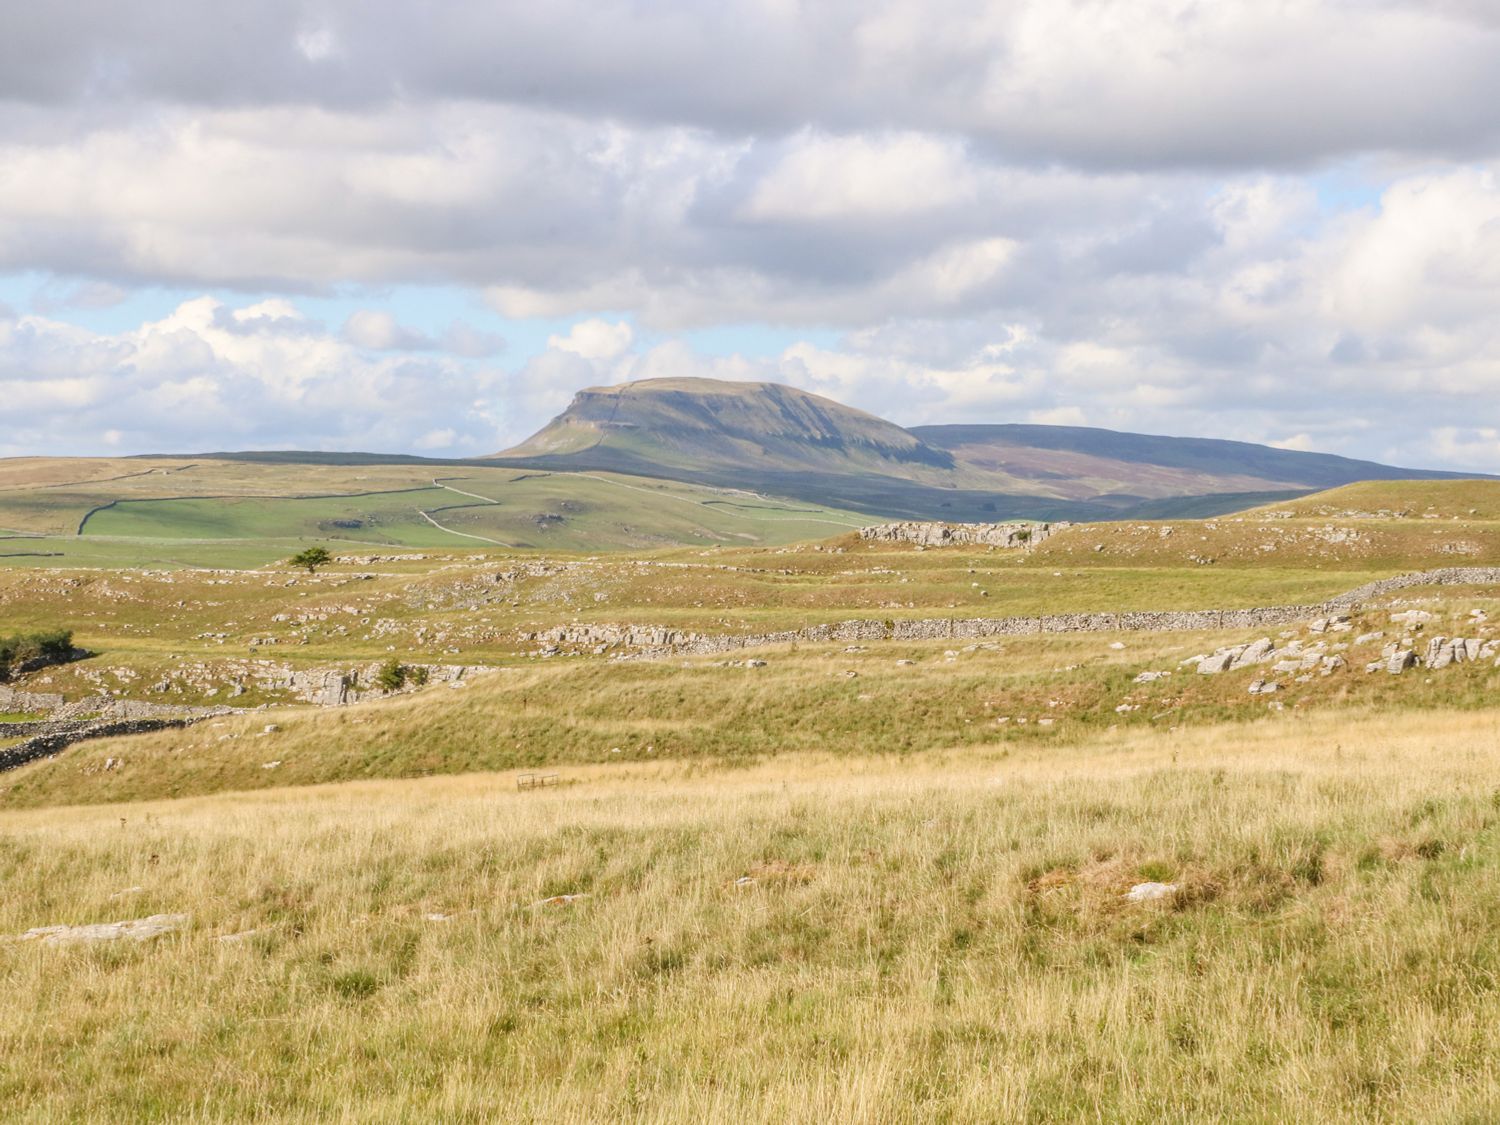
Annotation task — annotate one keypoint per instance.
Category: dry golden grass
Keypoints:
(932, 938)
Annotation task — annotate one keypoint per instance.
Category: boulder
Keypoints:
(1150, 892)
(1255, 653)
(139, 929)
(1218, 662)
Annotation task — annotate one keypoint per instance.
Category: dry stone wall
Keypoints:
(653, 641)
(56, 740)
(56, 707)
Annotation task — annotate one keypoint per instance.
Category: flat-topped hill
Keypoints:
(709, 423)
(782, 440)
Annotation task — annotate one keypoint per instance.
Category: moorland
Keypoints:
(894, 877)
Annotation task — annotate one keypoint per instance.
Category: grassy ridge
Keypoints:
(885, 699)
(943, 940)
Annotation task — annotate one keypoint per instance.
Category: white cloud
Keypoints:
(594, 339)
(377, 330)
(837, 179)
(1476, 448)
(1059, 416)
(214, 376)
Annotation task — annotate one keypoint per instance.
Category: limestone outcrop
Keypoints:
(1014, 534)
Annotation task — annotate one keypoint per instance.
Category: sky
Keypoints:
(421, 228)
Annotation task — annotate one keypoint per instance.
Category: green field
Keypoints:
(393, 506)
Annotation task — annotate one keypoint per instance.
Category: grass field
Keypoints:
(156, 503)
(813, 939)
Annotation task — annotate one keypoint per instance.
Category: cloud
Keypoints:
(838, 179)
(377, 330)
(1235, 83)
(212, 376)
(594, 339)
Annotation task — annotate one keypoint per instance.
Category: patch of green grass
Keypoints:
(386, 518)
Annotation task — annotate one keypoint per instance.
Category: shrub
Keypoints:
(392, 675)
(52, 646)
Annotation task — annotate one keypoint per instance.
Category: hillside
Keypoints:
(806, 940)
(218, 510)
(1146, 465)
(784, 441)
(707, 423)
(1474, 500)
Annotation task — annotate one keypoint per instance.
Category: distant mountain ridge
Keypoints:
(778, 439)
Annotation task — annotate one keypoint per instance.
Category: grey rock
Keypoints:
(1150, 892)
(140, 929)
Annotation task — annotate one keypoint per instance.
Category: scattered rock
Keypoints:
(1400, 661)
(1213, 665)
(139, 929)
(946, 534)
(1150, 892)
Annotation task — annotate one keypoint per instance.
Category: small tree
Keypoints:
(392, 675)
(312, 558)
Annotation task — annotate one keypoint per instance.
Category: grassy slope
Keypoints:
(1468, 500)
(239, 502)
(805, 700)
(942, 940)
